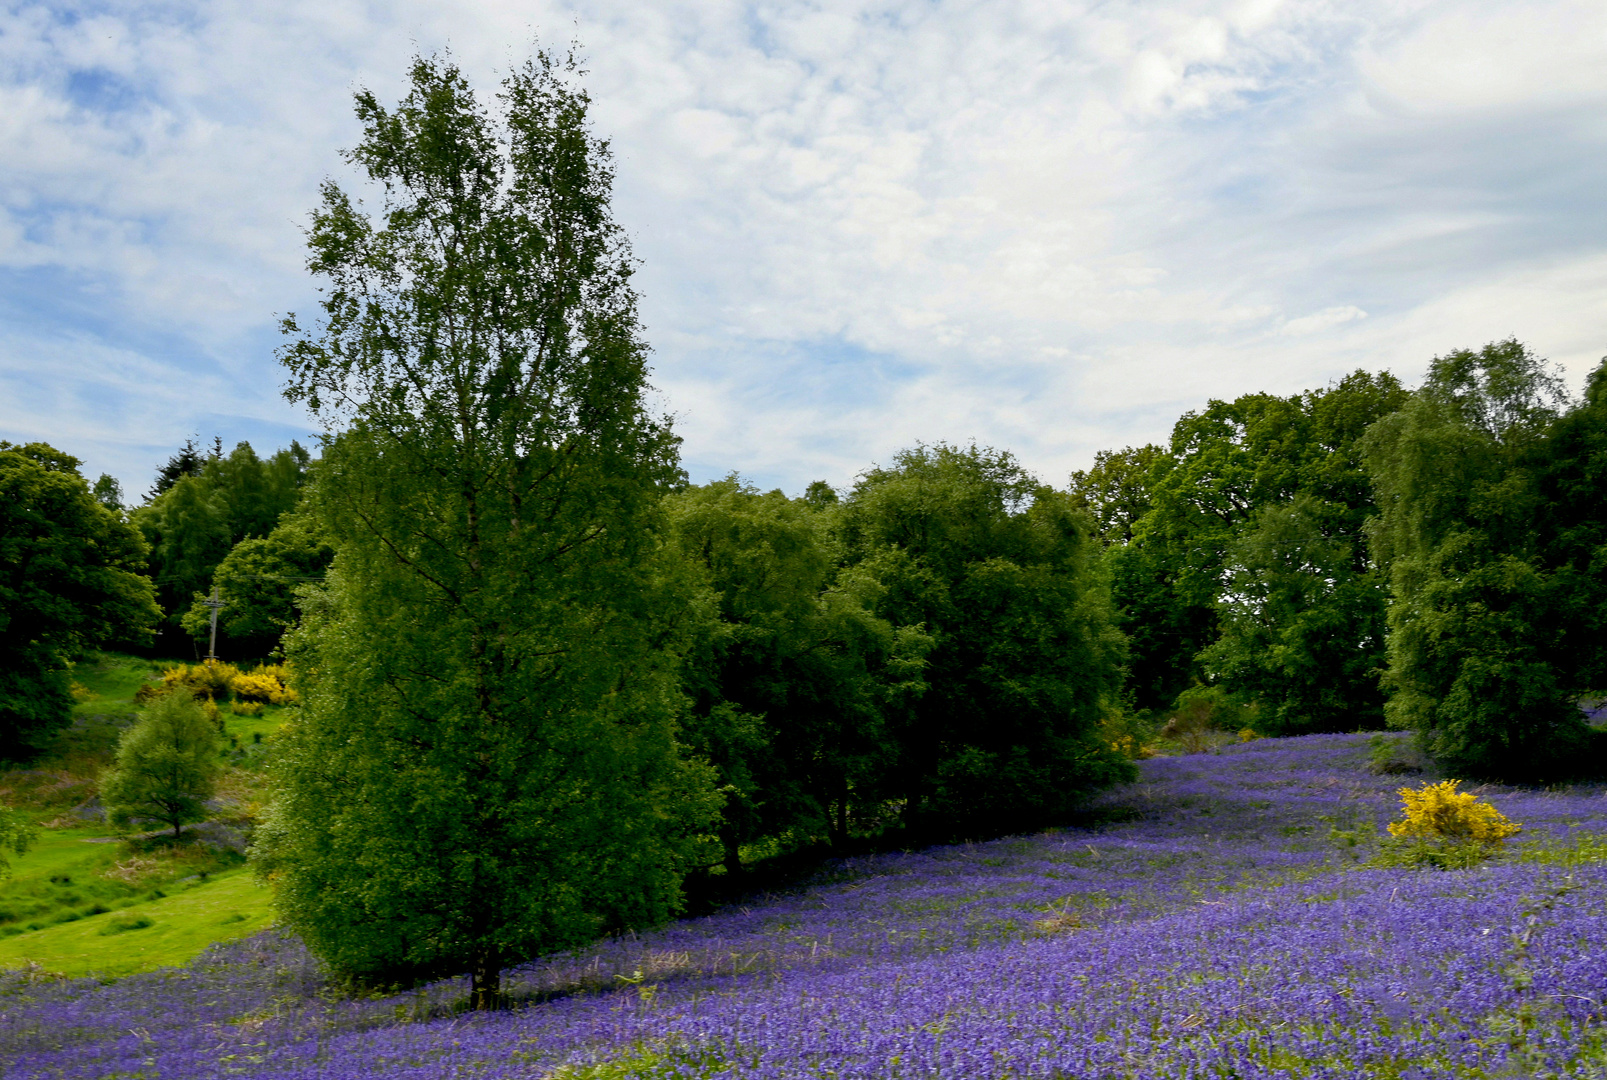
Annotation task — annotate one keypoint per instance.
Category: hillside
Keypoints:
(1214, 919)
(85, 900)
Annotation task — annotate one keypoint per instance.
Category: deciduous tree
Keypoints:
(167, 765)
(485, 766)
(1474, 637)
(1001, 572)
(794, 683)
(71, 578)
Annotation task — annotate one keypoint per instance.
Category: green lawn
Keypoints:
(149, 934)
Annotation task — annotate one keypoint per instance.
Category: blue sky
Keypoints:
(1049, 227)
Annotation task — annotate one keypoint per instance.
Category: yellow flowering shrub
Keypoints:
(246, 708)
(269, 683)
(1440, 812)
(212, 680)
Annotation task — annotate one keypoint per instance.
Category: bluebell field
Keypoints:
(1223, 925)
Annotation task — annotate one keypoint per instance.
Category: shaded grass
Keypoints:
(112, 679)
(167, 931)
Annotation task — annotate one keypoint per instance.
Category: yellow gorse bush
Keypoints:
(269, 683)
(1440, 812)
(213, 680)
(216, 681)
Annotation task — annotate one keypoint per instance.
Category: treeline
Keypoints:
(1361, 555)
(544, 678)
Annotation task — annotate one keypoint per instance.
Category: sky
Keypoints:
(1044, 227)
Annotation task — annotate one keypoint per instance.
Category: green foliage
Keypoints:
(1389, 754)
(186, 462)
(16, 834)
(1002, 573)
(1116, 490)
(1205, 717)
(794, 679)
(108, 492)
(257, 581)
(1250, 566)
(1477, 654)
(485, 766)
(1571, 476)
(167, 765)
(194, 522)
(1301, 629)
(70, 580)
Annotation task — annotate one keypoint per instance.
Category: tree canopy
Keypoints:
(167, 765)
(203, 507)
(485, 766)
(1001, 572)
(794, 685)
(71, 578)
(1248, 565)
(1476, 645)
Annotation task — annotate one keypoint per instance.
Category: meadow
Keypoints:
(85, 899)
(1216, 919)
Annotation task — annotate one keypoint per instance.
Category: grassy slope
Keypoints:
(48, 903)
(180, 926)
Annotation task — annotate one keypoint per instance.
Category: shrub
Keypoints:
(246, 708)
(1439, 811)
(1203, 717)
(1390, 755)
(1127, 734)
(268, 683)
(1445, 827)
(212, 680)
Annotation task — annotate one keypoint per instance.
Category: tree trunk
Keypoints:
(840, 825)
(485, 992)
(733, 852)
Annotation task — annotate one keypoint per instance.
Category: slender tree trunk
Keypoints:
(485, 992)
(733, 852)
(841, 823)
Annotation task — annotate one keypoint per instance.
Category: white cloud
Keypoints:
(1326, 319)
(1050, 227)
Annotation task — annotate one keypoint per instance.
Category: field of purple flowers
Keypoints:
(1220, 923)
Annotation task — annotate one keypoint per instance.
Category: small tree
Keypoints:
(167, 765)
(15, 833)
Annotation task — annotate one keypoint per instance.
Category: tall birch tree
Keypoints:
(486, 765)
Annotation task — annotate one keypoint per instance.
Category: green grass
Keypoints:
(176, 928)
(64, 877)
(57, 851)
(58, 900)
(112, 679)
(247, 728)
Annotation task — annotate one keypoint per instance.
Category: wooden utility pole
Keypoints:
(214, 603)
